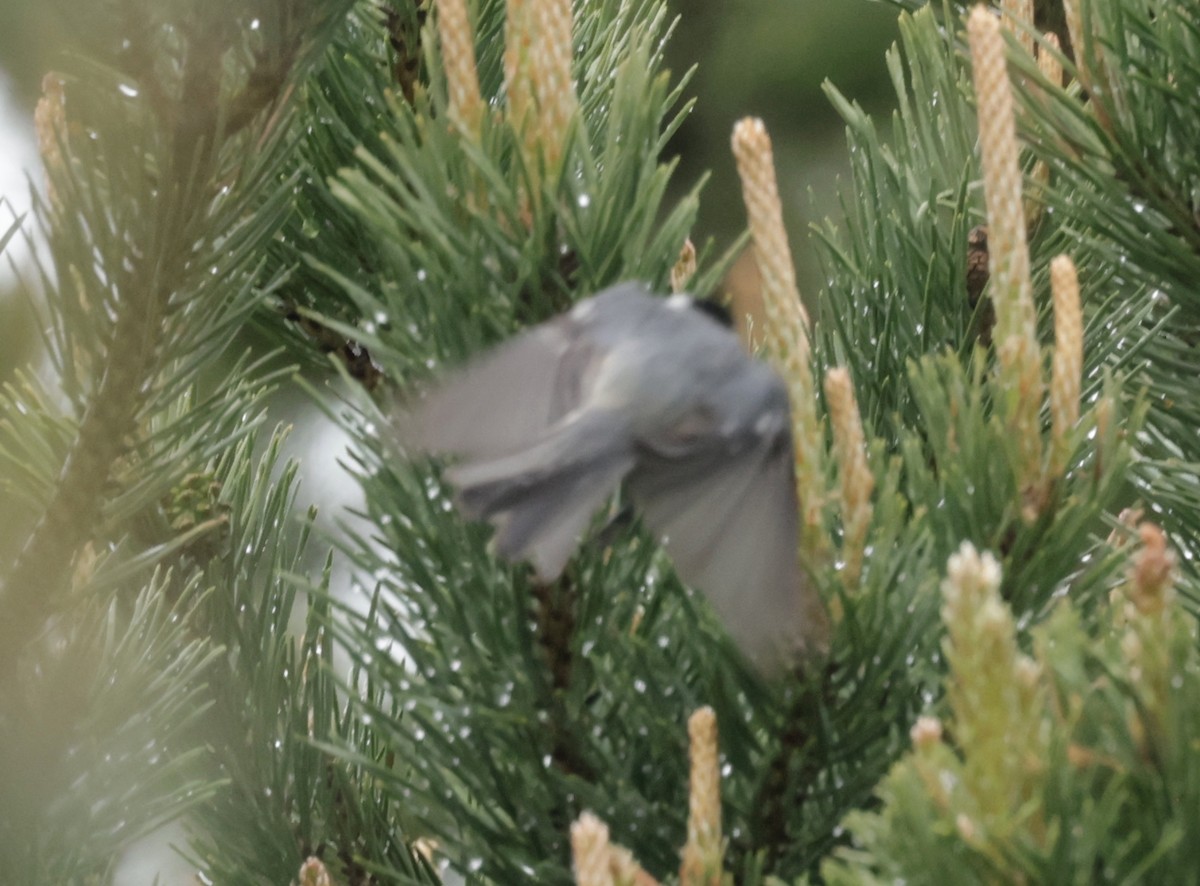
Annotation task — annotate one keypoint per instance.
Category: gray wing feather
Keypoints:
(501, 401)
(732, 533)
(542, 497)
(547, 524)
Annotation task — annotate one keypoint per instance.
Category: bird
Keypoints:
(654, 393)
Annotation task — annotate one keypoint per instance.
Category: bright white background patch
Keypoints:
(18, 159)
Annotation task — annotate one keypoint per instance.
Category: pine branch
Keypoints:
(1121, 184)
(470, 233)
(276, 708)
(163, 162)
(483, 712)
(1045, 760)
(93, 763)
(142, 194)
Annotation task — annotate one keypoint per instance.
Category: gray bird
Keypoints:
(628, 386)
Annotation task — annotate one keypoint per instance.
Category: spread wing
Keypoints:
(510, 396)
(542, 497)
(503, 400)
(730, 524)
(530, 462)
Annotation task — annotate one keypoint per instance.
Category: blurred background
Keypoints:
(766, 58)
(769, 59)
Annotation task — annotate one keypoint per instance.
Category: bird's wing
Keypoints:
(545, 525)
(503, 400)
(730, 524)
(542, 497)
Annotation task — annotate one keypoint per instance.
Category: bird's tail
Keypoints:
(541, 497)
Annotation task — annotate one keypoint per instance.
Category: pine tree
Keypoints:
(995, 448)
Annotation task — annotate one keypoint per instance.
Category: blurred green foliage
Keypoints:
(519, 705)
(768, 59)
